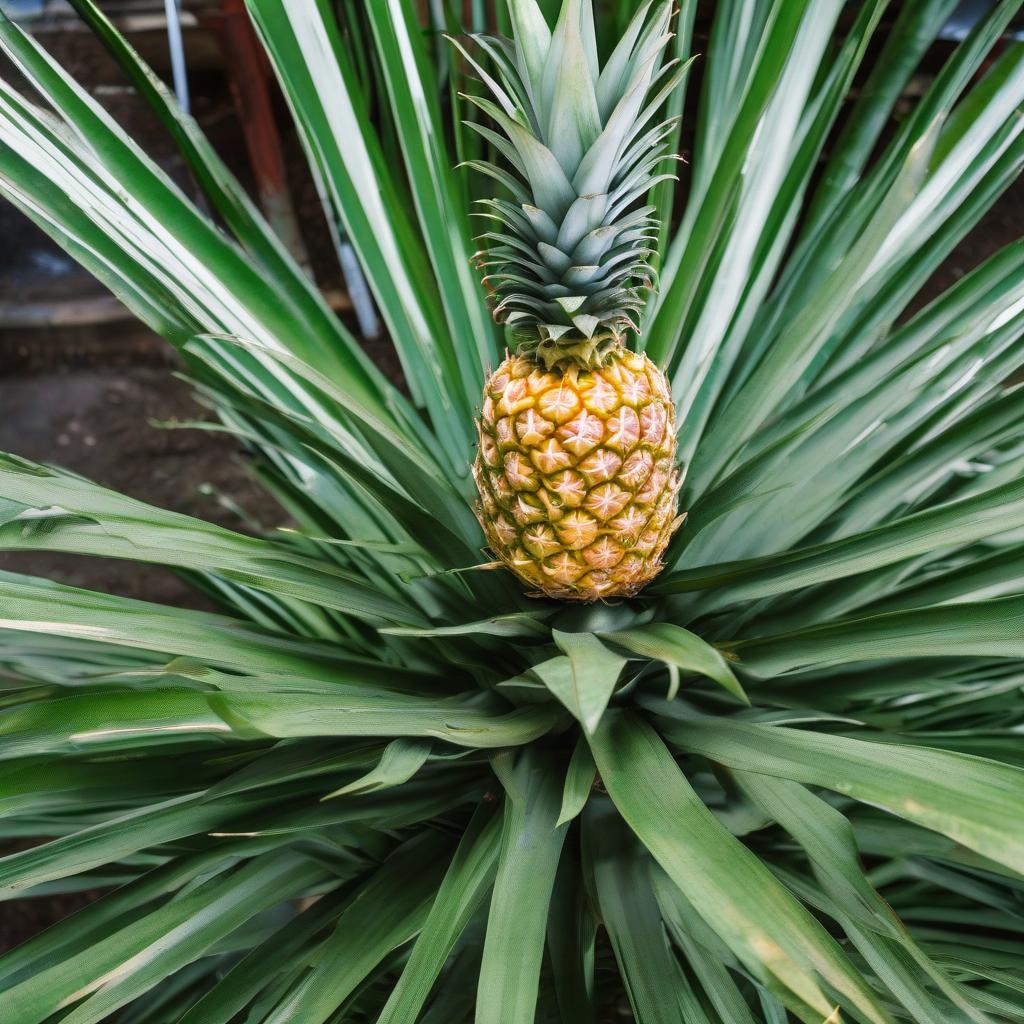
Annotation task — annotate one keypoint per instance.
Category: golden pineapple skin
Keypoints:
(577, 475)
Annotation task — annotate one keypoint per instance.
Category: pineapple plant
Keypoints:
(766, 771)
(576, 463)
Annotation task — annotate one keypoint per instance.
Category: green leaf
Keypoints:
(123, 966)
(122, 720)
(828, 840)
(922, 785)
(586, 685)
(515, 624)
(981, 628)
(676, 646)
(387, 911)
(784, 364)
(579, 782)
(66, 513)
(571, 943)
(443, 221)
(308, 52)
(573, 121)
(994, 576)
(680, 276)
(658, 991)
(548, 183)
(38, 606)
(531, 844)
(465, 885)
(906, 42)
(399, 762)
(264, 965)
(943, 526)
(74, 186)
(107, 914)
(116, 838)
(709, 959)
(400, 450)
(779, 159)
(222, 189)
(663, 198)
(532, 40)
(762, 922)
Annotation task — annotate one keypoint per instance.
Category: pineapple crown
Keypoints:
(568, 262)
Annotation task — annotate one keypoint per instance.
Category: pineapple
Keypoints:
(576, 474)
(576, 461)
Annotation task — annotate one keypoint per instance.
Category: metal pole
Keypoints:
(177, 48)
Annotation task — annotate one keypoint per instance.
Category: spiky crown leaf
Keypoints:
(569, 257)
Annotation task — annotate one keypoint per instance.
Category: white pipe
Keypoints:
(177, 48)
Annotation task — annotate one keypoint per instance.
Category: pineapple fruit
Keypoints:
(576, 462)
(576, 474)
